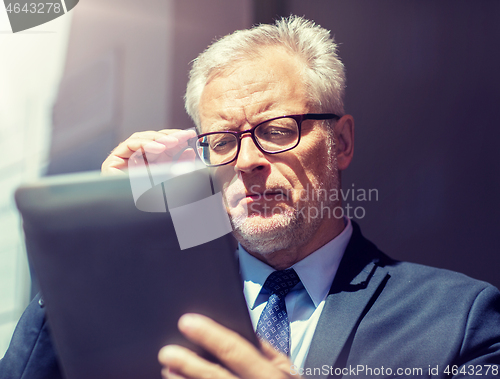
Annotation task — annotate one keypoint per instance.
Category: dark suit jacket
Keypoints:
(381, 319)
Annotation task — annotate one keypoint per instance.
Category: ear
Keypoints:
(344, 134)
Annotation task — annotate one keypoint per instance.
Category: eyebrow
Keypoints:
(220, 126)
(226, 122)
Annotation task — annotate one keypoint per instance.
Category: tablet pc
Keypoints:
(115, 280)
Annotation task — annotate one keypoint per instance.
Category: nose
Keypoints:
(250, 158)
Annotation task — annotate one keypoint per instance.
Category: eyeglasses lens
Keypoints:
(217, 148)
(277, 135)
(272, 136)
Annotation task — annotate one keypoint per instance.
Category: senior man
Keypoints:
(268, 104)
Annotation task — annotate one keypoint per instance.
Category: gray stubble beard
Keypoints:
(291, 228)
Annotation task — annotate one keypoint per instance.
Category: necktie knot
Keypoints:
(281, 282)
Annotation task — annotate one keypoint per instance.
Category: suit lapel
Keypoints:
(359, 280)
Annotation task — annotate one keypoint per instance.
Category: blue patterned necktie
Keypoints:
(273, 325)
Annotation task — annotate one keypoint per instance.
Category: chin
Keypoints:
(266, 235)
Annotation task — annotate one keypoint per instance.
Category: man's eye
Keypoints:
(222, 144)
(219, 144)
(280, 132)
(277, 133)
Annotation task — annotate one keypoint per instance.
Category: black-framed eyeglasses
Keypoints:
(273, 136)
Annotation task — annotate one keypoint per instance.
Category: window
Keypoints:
(30, 70)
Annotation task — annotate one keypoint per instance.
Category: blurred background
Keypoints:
(423, 86)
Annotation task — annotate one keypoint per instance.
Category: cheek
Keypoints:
(315, 160)
(223, 177)
(231, 185)
(302, 177)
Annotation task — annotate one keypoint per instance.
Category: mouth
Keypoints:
(266, 195)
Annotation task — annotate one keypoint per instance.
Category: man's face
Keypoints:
(272, 199)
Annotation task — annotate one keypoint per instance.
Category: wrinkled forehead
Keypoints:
(253, 88)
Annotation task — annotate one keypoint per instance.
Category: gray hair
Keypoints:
(324, 74)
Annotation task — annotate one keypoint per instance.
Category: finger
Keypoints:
(181, 135)
(113, 165)
(165, 137)
(278, 359)
(183, 362)
(175, 143)
(152, 142)
(119, 158)
(127, 148)
(230, 348)
(186, 156)
(152, 134)
(268, 351)
(167, 373)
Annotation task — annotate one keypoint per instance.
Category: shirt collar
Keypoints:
(316, 271)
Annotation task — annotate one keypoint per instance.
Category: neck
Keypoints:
(285, 258)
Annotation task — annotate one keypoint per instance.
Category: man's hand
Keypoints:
(240, 357)
(159, 147)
